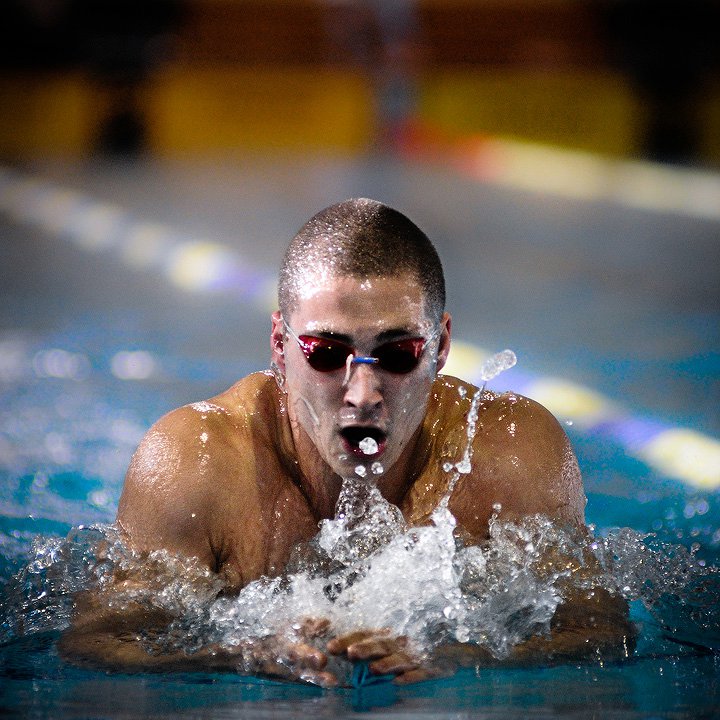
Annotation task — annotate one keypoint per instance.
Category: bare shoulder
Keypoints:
(500, 416)
(521, 459)
(185, 467)
(522, 425)
(535, 468)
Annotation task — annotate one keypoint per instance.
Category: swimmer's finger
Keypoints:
(373, 648)
(305, 656)
(395, 664)
(314, 627)
(323, 679)
(273, 667)
(340, 645)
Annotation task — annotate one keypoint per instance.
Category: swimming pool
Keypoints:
(104, 329)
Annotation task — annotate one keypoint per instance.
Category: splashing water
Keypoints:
(497, 364)
(464, 465)
(366, 568)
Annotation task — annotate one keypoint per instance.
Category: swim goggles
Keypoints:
(397, 356)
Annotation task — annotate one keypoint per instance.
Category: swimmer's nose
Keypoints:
(362, 388)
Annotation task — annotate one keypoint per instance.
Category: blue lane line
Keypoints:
(193, 264)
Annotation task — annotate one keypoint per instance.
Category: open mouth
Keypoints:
(364, 442)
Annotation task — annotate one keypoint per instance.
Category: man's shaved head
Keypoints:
(360, 238)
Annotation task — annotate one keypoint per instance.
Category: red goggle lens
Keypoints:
(325, 355)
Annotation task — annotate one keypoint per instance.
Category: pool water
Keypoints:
(91, 353)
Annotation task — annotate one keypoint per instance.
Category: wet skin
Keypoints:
(238, 481)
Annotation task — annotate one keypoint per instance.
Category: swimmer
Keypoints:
(237, 482)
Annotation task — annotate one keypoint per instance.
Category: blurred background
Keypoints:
(628, 78)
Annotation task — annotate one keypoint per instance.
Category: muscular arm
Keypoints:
(163, 508)
(167, 501)
(523, 463)
(181, 486)
(111, 632)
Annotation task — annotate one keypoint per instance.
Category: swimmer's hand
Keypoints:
(291, 656)
(385, 654)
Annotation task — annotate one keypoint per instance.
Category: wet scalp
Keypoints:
(361, 238)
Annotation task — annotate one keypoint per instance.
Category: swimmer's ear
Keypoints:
(277, 342)
(444, 343)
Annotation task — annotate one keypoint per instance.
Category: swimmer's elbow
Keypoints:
(101, 635)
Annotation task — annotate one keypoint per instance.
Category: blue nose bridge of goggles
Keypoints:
(363, 360)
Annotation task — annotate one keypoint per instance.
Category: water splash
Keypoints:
(367, 569)
(497, 364)
(464, 465)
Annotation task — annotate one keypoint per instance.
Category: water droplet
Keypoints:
(498, 363)
(361, 471)
(464, 466)
(377, 468)
(368, 445)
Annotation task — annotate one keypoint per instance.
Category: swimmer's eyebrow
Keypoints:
(330, 335)
(395, 333)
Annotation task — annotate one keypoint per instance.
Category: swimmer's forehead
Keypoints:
(382, 307)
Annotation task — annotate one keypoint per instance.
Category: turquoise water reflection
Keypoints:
(42, 686)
